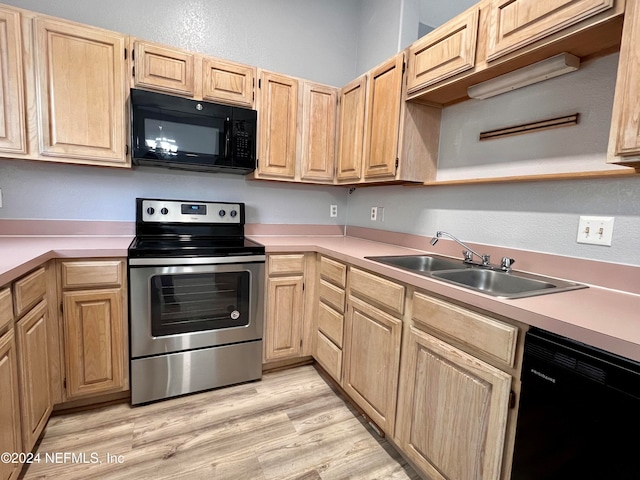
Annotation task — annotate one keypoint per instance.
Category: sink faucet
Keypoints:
(469, 253)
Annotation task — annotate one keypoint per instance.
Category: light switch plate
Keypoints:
(595, 230)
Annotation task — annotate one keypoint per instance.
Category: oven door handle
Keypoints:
(196, 260)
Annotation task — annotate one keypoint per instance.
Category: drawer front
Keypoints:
(29, 290)
(444, 52)
(333, 272)
(329, 356)
(6, 308)
(332, 295)
(377, 290)
(331, 323)
(92, 274)
(517, 23)
(286, 264)
(484, 334)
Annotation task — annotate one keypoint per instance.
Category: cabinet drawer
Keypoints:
(91, 274)
(29, 290)
(484, 334)
(329, 356)
(333, 272)
(332, 295)
(286, 264)
(331, 323)
(377, 290)
(6, 308)
(445, 52)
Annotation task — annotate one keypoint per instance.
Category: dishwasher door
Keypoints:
(579, 413)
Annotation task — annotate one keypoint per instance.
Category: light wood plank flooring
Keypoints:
(289, 425)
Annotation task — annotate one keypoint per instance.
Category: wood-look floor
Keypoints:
(289, 425)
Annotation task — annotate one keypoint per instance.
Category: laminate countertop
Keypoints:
(603, 317)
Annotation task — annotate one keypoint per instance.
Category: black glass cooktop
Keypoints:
(185, 246)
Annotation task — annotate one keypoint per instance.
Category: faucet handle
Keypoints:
(506, 263)
(468, 256)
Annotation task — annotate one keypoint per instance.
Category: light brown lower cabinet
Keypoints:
(33, 359)
(10, 434)
(93, 326)
(452, 410)
(372, 350)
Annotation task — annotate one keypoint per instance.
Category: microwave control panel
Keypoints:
(243, 140)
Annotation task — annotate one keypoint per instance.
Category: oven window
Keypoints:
(195, 302)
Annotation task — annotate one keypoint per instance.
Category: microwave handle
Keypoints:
(227, 137)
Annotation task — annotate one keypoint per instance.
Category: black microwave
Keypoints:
(180, 133)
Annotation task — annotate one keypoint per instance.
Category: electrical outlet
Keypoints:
(333, 210)
(374, 214)
(595, 230)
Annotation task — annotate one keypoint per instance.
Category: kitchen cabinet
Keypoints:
(330, 310)
(458, 370)
(12, 115)
(515, 24)
(277, 126)
(319, 118)
(93, 294)
(81, 84)
(283, 330)
(625, 122)
(372, 345)
(179, 72)
(10, 433)
(351, 130)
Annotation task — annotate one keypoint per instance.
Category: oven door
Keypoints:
(175, 308)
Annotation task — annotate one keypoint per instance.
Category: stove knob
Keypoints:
(233, 213)
(222, 213)
(164, 211)
(151, 210)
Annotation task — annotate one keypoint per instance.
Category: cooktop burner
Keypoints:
(193, 247)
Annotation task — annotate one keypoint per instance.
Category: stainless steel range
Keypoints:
(196, 298)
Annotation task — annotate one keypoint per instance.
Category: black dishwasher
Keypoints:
(579, 414)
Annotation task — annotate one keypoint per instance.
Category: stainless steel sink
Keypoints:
(491, 282)
(422, 264)
(506, 285)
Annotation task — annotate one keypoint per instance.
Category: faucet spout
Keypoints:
(468, 253)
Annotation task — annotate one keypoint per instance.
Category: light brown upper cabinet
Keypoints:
(514, 24)
(12, 118)
(277, 125)
(446, 51)
(353, 98)
(166, 69)
(319, 116)
(383, 118)
(81, 92)
(179, 72)
(626, 120)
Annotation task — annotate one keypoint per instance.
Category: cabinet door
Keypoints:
(12, 121)
(33, 356)
(94, 346)
(383, 119)
(319, 115)
(164, 69)
(10, 437)
(81, 92)
(372, 350)
(452, 411)
(351, 132)
(627, 101)
(228, 82)
(445, 52)
(278, 119)
(514, 24)
(283, 329)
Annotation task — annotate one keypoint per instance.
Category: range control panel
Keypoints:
(174, 211)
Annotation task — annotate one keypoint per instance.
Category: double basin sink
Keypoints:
(497, 283)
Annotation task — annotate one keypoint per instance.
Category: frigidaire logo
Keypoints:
(542, 375)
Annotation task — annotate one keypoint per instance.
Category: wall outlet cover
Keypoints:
(333, 210)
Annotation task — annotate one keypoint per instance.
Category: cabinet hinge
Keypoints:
(125, 53)
(397, 163)
(64, 383)
(300, 343)
(512, 399)
(257, 163)
(404, 66)
(126, 149)
(259, 83)
(133, 54)
(133, 71)
(303, 286)
(61, 306)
